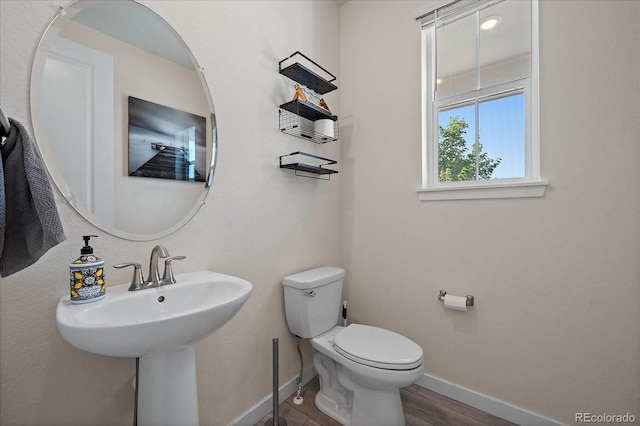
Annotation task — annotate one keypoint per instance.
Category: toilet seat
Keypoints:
(377, 347)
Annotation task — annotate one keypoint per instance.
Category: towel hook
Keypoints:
(5, 126)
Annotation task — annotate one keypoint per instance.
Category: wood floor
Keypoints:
(422, 407)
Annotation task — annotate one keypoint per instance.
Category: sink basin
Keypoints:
(160, 327)
(134, 323)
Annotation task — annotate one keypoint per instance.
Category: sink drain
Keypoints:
(161, 299)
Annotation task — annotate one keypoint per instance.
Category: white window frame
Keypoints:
(531, 185)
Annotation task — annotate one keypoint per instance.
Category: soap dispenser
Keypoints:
(87, 275)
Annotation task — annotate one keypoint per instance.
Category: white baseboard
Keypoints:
(264, 407)
(459, 393)
(485, 403)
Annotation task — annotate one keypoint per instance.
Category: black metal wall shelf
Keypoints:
(300, 165)
(294, 116)
(307, 110)
(307, 119)
(295, 121)
(303, 75)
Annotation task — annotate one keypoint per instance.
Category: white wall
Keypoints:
(260, 223)
(556, 326)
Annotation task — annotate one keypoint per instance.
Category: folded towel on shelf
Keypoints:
(32, 225)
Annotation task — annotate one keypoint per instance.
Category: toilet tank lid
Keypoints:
(313, 277)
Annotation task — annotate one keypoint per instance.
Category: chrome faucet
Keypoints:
(153, 279)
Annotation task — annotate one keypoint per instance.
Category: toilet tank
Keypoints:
(312, 300)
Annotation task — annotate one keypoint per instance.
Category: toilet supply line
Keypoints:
(344, 313)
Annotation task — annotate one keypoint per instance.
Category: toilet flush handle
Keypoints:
(311, 293)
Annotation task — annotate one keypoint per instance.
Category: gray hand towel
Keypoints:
(3, 201)
(32, 225)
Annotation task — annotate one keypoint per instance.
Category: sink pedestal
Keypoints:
(168, 392)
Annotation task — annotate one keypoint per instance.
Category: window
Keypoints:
(480, 105)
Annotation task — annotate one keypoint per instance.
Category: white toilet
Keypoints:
(361, 368)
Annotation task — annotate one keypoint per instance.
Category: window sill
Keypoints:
(484, 191)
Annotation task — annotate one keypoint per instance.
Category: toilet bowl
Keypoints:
(368, 388)
(361, 367)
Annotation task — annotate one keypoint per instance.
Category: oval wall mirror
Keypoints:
(123, 118)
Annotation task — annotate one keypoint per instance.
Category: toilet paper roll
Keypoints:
(324, 126)
(459, 303)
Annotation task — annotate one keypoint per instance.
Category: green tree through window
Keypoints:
(455, 161)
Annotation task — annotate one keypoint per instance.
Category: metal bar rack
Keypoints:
(314, 166)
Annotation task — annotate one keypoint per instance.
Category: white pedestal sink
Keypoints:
(160, 326)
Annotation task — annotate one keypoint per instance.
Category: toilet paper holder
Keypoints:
(444, 292)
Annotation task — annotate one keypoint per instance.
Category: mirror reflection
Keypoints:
(123, 118)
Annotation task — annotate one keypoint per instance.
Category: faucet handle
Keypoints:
(137, 281)
(167, 276)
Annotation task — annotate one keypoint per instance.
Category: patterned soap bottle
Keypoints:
(86, 275)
